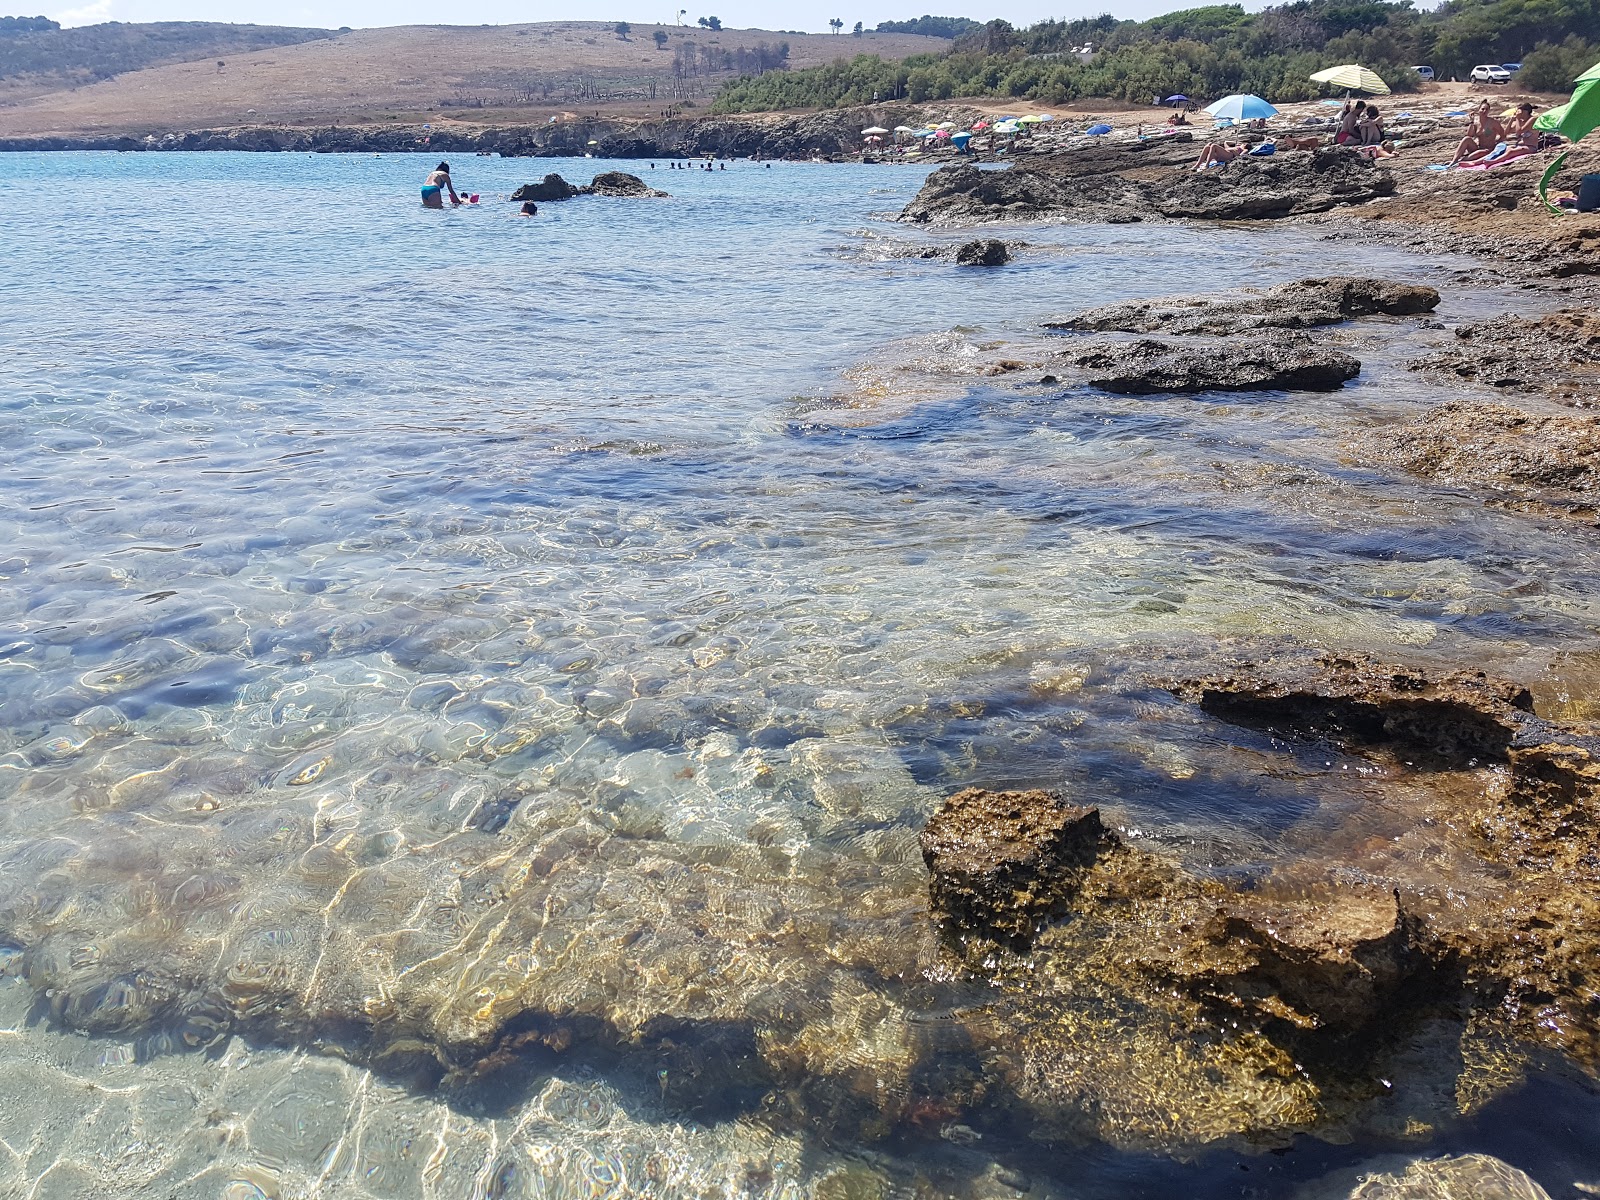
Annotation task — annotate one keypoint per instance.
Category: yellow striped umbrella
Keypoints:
(1353, 78)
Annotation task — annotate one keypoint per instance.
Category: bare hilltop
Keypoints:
(512, 74)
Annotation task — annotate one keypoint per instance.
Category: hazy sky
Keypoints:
(807, 15)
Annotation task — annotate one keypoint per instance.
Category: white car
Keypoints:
(1490, 73)
(1424, 73)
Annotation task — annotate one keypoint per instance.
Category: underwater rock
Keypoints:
(552, 187)
(1455, 1177)
(1557, 353)
(1145, 365)
(1000, 861)
(1461, 718)
(984, 252)
(1305, 304)
(1527, 460)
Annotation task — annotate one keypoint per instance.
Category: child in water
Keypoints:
(529, 209)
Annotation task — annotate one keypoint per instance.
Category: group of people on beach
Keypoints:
(1493, 139)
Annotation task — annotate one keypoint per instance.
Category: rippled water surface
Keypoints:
(412, 620)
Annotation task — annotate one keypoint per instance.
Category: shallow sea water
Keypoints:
(400, 605)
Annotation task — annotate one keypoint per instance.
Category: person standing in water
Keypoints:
(436, 185)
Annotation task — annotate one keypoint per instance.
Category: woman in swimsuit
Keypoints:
(434, 187)
(1215, 155)
(1484, 133)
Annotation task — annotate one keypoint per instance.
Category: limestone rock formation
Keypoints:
(1146, 365)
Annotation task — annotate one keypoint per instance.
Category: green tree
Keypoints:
(622, 29)
(660, 36)
(856, 32)
(836, 24)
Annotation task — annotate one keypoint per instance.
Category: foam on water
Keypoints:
(400, 606)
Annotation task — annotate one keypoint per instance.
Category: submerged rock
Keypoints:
(1145, 365)
(985, 252)
(1527, 460)
(1461, 718)
(1305, 304)
(1557, 353)
(1000, 861)
(1454, 1177)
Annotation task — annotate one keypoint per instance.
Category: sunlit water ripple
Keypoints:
(351, 549)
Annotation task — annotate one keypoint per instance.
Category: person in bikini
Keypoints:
(1220, 154)
(1484, 133)
(436, 185)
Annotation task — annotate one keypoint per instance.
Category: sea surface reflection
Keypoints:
(420, 630)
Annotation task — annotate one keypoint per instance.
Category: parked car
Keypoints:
(1490, 73)
(1511, 68)
(1425, 73)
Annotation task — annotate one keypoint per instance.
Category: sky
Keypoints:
(809, 16)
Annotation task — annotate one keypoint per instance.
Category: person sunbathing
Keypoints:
(1219, 154)
(1484, 133)
(1299, 143)
(1520, 130)
(1381, 150)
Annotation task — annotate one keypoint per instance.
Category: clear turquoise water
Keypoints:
(343, 540)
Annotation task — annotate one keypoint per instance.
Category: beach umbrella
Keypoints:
(1592, 73)
(874, 129)
(1353, 78)
(1242, 107)
(1098, 130)
(1046, 117)
(1582, 111)
(1547, 121)
(904, 129)
(947, 125)
(1030, 119)
(962, 138)
(941, 133)
(1180, 99)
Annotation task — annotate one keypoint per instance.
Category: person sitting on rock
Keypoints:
(1349, 116)
(1177, 117)
(1484, 133)
(1520, 130)
(1220, 154)
(1370, 127)
(434, 187)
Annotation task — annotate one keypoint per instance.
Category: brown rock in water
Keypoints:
(1002, 861)
(551, 187)
(1456, 719)
(1146, 366)
(1557, 354)
(1332, 961)
(1307, 304)
(985, 252)
(621, 184)
(1523, 459)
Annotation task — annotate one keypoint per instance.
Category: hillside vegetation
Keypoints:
(37, 58)
(486, 74)
(1205, 52)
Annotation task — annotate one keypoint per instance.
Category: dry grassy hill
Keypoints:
(490, 74)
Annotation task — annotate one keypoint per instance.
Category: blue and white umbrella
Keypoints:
(1098, 130)
(1241, 108)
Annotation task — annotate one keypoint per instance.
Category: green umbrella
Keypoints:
(1592, 73)
(1547, 121)
(1582, 111)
